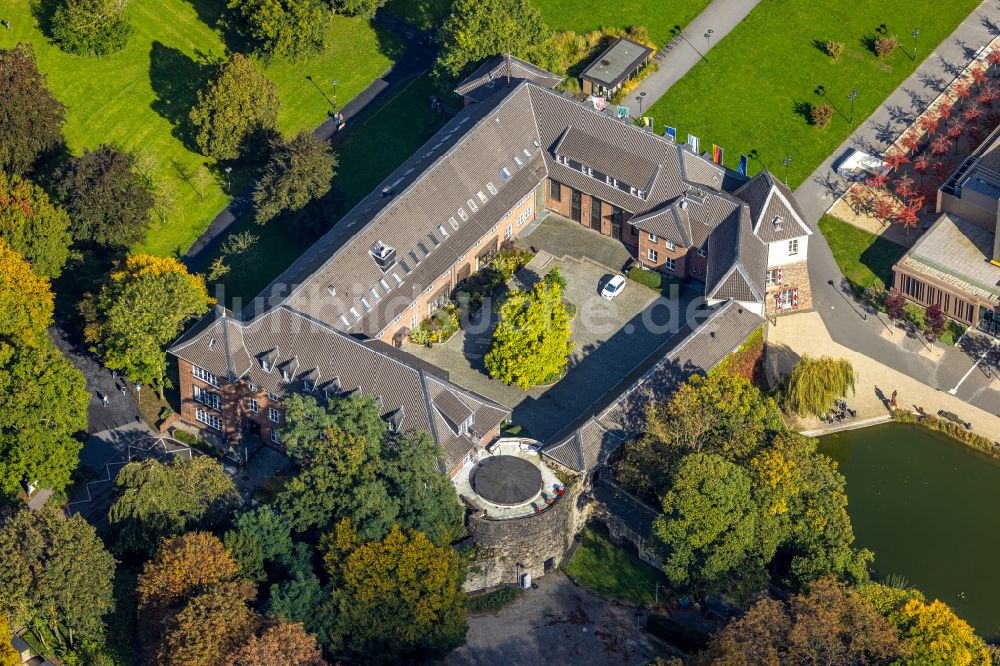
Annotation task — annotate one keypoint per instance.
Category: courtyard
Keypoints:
(611, 337)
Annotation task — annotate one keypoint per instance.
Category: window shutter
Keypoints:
(779, 277)
(795, 298)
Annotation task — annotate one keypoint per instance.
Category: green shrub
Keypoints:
(950, 428)
(91, 27)
(491, 602)
(915, 314)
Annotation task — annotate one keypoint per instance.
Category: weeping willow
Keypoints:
(815, 383)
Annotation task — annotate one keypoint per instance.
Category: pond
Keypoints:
(928, 508)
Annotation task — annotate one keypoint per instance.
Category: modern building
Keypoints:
(330, 323)
(956, 263)
(609, 72)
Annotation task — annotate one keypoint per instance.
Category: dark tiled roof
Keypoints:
(495, 72)
(769, 200)
(345, 364)
(586, 448)
(737, 261)
(636, 170)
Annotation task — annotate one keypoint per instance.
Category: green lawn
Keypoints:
(138, 98)
(861, 256)
(366, 157)
(659, 16)
(753, 92)
(603, 567)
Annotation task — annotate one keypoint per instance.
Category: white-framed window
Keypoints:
(652, 255)
(461, 258)
(442, 231)
(385, 285)
(504, 174)
(671, 246)
(253, 388)
(253, 405)
(653, 238)
(508, 232)
(472, 205)
(482, 197)
(308, 385)
(274, 436)
(205, 376)
(274, 397)
(265, 366)
(702, 252)
(208, 398)
(374, 292)
(793, 246)
(670, 264)
(493, 229)
(787, 298)
(462, 214)
(211, 420)
(274, 414)
(774, 277)
(492, 188)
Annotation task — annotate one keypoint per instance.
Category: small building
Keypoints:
(620, 62)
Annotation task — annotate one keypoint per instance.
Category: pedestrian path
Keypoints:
(805, 333)
(687, 50)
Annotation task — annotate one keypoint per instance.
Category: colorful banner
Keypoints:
(742, 168)
(623, 112)
(647, 122)
(693, 142)
(671, 132)
(716, 154)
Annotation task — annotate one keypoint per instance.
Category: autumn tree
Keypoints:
(237, 106)
(478, 29)
(209, 625)
(934, 322)
(43, 398)
(8, 655)
(930, 633)
(831, 624)
(397, 599)
(289, 29)
(55, 575)
(279, 644)
(154, 500)
(816, 382)
(297, 172)
(91, 27)
(33, 225)
(140, 310)
(895, 301)
(184, 566)
(31, 118)
(531, 341)
(108, 201)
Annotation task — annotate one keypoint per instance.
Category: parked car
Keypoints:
(615, 286)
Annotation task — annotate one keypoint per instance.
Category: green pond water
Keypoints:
(929, 508)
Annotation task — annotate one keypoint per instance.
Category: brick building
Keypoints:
(328, 323)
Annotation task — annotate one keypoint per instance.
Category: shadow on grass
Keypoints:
(43, 11)
(176, 79)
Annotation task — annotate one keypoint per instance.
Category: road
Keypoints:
(841, 315)
(684, 52)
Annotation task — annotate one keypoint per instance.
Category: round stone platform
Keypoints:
(506, 480)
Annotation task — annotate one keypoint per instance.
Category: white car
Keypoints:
(615, 286)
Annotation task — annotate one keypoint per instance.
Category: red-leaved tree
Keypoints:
(941, 146)
(962, 90)
(894, 303)
(934, 322)
(904, 187)
(896, 160)
(987, 96)
(883, 210)
(994, 59)
(910, 142)
(973, 113)
(921, 165)
(906, 215)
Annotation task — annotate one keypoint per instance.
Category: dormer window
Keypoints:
(354, 312)
(308, 386)
(375, 294)
(778, 223)
(453, 223)
(518, 162)
(442, 231)
(504, 174)
(287, 376)
(462, 214)
(212, 343)
(398, 280)
(331, 290)
(364, 303)
(527, 153)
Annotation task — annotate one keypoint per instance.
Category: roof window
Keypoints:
(212, 343)
(385, 285)
(462, 214)
(354, 312)
(434, 240)
(375, 294)
(442, 231)
(453, 223)
(344, 321)
(527, 153)
(423, 248)
(416, 260)
(472, 205)
(505, 173)
(395, 276)
(778, 223)
(365, 304)
(482, 197)
(331, 290)
(518, 162)
(492, 188)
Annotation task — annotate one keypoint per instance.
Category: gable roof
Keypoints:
(496, 71)
(737, 261)
(769, 199)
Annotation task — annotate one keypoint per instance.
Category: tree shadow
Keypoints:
(991, 26)
(968, 53)
(804, 109)
(213, 14)
(917, 99)
(950, 68)
(899, 114)
(389, 43)
(820, 45)
(935, 83)
(176, 79)
(43, 11)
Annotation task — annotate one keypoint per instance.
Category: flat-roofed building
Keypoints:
(621, 61)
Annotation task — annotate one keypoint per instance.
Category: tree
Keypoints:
(531, 342)
(210, 625)
(43, 398)
(8, 655)
(56, 574)
(280, 644)
(304, 599)
(297, 172)
(261, 536)
(396, 599)
(108, 201)
(708, 527)
(478, 29)
(363, 8)
(831, 624)
(426, 497)
(238, 105)
(816, 382)
(91, 27)
(140, 310)
(895, 301)
(935, 322)
(33, 226)
(286, 28)
(931, 633)
(31, 118)
(154, 500)
(184, 567)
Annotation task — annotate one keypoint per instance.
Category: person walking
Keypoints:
(104, 399)
(892, 400)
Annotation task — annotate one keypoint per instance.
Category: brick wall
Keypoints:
(793, 276)
(678, 254)
(564, 207)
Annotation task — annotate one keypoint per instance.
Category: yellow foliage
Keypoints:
(8, 655)
(937, 635)
(25, 299)
(140, 265)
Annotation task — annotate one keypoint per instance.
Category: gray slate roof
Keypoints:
(495, 72)
(769, 199)
(616, 62)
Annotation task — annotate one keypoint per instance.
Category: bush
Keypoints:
(438, 328)
(950, 428)
(91, 27)
(492, 601)
(915, 314)
(886, 45)
(821, 115)
(834, 49)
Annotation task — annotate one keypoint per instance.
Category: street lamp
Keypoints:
(638, 98)
(708, 39)
(854, 93)
(915, 33)
(229, 182)
(786, 162)
(334, 94)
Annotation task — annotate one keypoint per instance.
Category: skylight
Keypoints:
(395, 276)
(517, 161)
(423, 248)
(385, 285)
(482, 197)
(453, 223)
(365, 304)
(462, 214)
(472, 205)
(434, 240)
(354, 312)
(375, 294)
(505, 173)
(344, 321)
(442, 231)
(491, 187)
(527, 153)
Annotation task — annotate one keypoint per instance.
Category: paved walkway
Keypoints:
(806, 333)
(684, 52)
(417, 58)
(844, 318)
